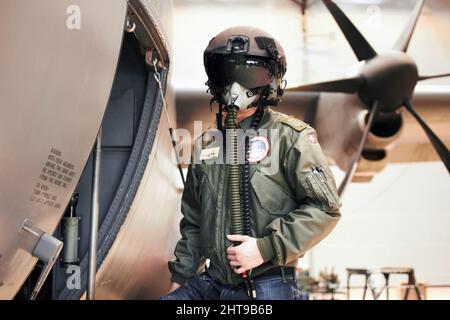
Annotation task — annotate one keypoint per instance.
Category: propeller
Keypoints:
(438, 145)
(385, 82)
(348, 85)
(362, 49)
(434, 76)
(402, 43)
(354, 164)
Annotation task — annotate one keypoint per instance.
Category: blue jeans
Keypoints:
(203, 287)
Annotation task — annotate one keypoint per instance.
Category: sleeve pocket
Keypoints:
(320, 187)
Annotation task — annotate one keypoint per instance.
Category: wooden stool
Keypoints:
(357, 271)
(386, 272)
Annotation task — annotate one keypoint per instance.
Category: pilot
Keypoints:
(287, 194)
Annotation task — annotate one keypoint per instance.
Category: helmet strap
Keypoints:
(219, 117)
(282, 85)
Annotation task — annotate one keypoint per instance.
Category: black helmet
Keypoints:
(249, 56)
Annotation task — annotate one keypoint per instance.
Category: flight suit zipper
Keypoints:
(220, 231)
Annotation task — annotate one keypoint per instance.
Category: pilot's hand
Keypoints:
(246, 255)
(174, 286)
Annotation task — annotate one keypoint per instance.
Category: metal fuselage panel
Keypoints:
(54, 86)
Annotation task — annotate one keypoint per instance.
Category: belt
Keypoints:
(277, 271)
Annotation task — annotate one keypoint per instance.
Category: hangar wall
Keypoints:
(397, 220)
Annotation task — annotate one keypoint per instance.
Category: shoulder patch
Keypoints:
(296, 124)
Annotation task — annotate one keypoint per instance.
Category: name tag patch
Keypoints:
(210, 153)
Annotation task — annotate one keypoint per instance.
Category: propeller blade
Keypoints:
(404, 39)
(438, 145)
(352, 169)
(434, 76)
(348, 85)
(362, 49)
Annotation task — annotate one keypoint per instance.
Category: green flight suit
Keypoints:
(292, 208)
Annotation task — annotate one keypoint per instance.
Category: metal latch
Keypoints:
(47, 250)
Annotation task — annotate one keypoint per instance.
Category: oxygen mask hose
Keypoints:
(233, 166)
(234, 183)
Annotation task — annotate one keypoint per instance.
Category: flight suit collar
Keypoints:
(246, 123)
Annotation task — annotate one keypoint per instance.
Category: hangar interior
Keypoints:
(398, 219)
(395, 215)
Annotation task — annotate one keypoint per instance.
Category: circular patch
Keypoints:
(259, 148)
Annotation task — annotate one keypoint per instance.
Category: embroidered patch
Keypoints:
(259, 148)
(312, 138)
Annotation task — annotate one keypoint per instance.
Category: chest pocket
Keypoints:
(272, 197)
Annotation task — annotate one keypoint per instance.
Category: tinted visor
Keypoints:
(248, 72)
